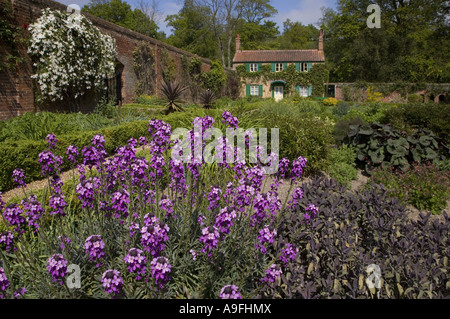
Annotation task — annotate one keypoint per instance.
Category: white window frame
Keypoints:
(303, 91)
(253, 67)
(254, 90)
(304, 67)
(278, 67)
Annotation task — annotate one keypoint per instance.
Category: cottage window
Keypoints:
(304, 67)
(303, 91)
(254, 90)
(278, 67)
(253, 67)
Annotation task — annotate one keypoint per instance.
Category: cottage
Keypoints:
(279, 60)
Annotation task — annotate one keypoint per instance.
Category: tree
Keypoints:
(409, 46)
(256, 36)
(120, 13)
(297, 36)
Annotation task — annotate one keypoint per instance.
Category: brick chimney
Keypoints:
(238, 43)
(321, 40)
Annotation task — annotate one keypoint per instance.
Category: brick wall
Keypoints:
(16, 87)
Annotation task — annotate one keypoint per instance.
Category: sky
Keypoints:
(304, 11)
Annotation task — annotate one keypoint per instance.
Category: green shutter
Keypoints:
(247, 90)
(297, 66)
(284, 66)
(273, 67)
(260, 90)
(297, 88)
(259, 66)
(310, 90)
(248, 66)
(309, 66)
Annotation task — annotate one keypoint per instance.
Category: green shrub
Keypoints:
(342, 128)
(408, 117)
(341, 109)
(415, 98)
(342, 166)
(425, 186)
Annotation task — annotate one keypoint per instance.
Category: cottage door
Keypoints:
(278, 93)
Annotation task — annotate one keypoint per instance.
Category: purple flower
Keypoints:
(51, 141)
(57, 204)
(94, 246)
(229, 120)
(56, 183)
(13, 214)
(20, 293)
(19, 178)
(112, 282)
(214, 197)
(266, 235)
(194, 254)
(120, 201)
(33, 211)
(311, 212)
(154, 235)
(166, 205)
(50, 162)
(136, 262)
(63, 242)
(297, 168)
(72, 153)
(4, 283)
(86, 190)
(7, 240)
(224, 220)
(160, 270)
(98, 141)
(260, 205)
(57, 267)
(296, 196)
(272, 274)
(230, 292)
(288, 253)
(210, 237)
(160, 132)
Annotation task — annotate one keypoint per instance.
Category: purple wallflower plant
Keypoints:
(214, 196)
(57, 267)
(288, 253)
(298, 166)
(166, 205)
(72, 153)
(57, 203)
(154, 235)
(86, 190)
(4, 283)
(33, 211)
(266, 235)
(210, 237)
(311, 212)
(50, 162)
(13, 214)
(224, 220)
(230, 120)
(112, 282)
(136, 262)
(272, 274)
(94, 246)
(20, 293)
(160, 270)
(230, 292)
(51, 141)
(120, 201)
(7, 240)
(19, 177)
(296, 196)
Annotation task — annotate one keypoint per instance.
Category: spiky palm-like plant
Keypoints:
(206, 98)
(172, 92)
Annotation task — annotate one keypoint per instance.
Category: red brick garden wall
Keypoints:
(16, 86)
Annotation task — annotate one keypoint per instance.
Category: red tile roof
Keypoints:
(278, 56)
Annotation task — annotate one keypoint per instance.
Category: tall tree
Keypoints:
(409, 46)
(298, 36)
(120, 13)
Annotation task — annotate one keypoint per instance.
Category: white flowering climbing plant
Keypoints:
(71, 56)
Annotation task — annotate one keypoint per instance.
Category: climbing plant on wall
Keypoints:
(168, 65)
(317, 76)
(10, 37)
(71, 56)
(144, 68)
